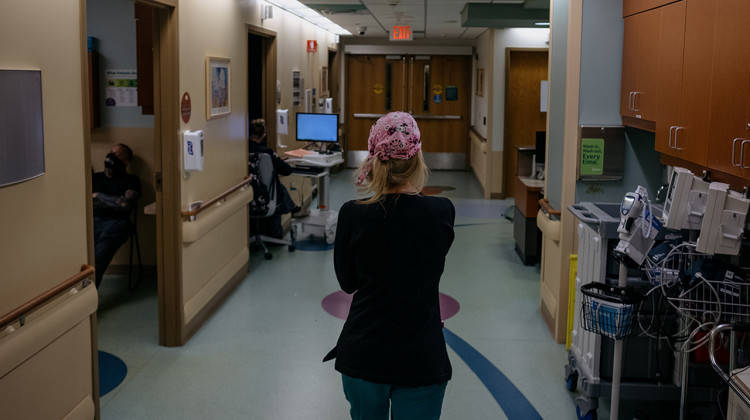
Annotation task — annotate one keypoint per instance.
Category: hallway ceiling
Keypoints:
(434, 19)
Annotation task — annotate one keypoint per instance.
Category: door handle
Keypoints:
(742, 154)
(671, 129)
(676, 131)
(734, 146)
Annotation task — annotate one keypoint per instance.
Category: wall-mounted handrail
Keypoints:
(478, 136)
(33, 304)
(544, 203)
(245, 181)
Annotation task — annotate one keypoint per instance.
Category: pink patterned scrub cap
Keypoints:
(393, 136)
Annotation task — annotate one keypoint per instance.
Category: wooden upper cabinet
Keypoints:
(684, 85)
(630, 58)
(631, 7)
(640, 66)
(729, 146)
(690, 134)
(669, 90)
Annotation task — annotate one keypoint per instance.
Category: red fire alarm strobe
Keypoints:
(312, 45)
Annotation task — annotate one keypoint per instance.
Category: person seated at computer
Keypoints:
(115, 193)
(257, 133)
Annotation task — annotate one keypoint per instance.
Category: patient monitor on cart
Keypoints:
(638, 227)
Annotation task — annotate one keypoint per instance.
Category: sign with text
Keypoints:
(401, 33)
(312, 45)
(592, 156)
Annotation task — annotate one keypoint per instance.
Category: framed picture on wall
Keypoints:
(218, 90)
(480, 82)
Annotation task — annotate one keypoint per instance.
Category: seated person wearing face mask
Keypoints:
(115, 192)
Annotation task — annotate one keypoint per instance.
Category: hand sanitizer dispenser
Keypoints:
(193, 150)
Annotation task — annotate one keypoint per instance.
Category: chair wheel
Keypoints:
(268, 255)
(292, 248)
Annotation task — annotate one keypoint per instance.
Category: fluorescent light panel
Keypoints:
(310, 15)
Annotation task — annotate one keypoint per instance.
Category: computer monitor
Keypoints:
(317, 127)
(541, 144)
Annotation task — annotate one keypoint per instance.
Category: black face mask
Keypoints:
(113, 163)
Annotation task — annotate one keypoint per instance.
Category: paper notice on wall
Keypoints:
(121, 88)
(282, 121)
(592, 156)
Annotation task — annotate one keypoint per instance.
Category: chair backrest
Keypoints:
(260, 167)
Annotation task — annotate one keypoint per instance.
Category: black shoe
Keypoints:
(299, 213)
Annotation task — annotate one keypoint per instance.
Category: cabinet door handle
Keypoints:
(742, 154)
(631, 101)
(734, 146)
(676, 131)
(635, 101)
(671, 129)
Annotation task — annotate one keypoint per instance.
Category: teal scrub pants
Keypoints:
(371, 401)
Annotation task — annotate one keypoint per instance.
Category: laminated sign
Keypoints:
(592, 156)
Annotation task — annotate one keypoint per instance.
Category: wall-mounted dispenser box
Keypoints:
(193, 150)
(601, 152)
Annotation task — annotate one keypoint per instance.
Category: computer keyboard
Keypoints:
(312, 170)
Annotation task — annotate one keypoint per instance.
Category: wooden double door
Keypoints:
(434, 89)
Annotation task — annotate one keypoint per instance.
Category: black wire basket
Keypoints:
(609, 310)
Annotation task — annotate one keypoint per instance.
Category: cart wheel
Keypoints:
(268, 255)
(571, 382)
(591, 415)
(292, 248)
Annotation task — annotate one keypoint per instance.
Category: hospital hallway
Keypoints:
(259, 356)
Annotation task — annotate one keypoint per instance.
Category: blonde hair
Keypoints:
(392, 173)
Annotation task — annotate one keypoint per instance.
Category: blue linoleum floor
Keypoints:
(259, 356)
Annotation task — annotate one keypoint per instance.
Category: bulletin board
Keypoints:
(22, 133)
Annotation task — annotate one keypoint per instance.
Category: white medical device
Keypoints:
(696, 206)
(192, 150)
(329, 106)
(717, 195)
(638, 227)
(724, 222)
(676, 203)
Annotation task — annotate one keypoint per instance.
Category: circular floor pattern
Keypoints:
(436, 189)
(338, 303)
(112, 371)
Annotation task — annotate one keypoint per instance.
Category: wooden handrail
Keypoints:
(476, 133)
(544, 203)
(86, 271)
(189, 213)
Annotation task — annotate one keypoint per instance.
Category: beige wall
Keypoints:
(291, 36)
(44, 221)
(43, 227)
(220, 28)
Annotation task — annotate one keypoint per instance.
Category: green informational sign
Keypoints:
(592, 156)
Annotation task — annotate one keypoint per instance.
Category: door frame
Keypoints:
(167, 172)
(269, 78)
(507, 152)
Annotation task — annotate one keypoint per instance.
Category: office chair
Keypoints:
(134, 240)
(265, 200)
